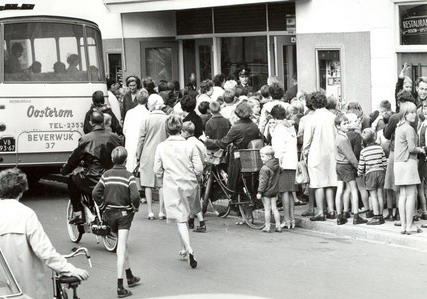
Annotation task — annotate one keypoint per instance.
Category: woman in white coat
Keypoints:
(132, 126)
(152, 132)
(318, 149)
(178, 164)
(23, 241)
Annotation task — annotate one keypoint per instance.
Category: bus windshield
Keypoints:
(52, 52)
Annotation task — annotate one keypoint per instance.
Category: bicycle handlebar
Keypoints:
(80, 251)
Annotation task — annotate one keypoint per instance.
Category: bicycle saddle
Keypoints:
(68, 279)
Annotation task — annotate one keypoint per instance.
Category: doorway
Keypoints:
(285, 59)
(115, 67)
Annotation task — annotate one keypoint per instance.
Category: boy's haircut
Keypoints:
(229, 96)
(267, 150)
(119, 155)
(405, 108)
(405, 96)
(276, 92)
(298, 106)
(279, 112)
(107, 119)
(243, 110)
(12, 183)
(142, 96)
(204, 107)
(230, 85)
(265, 91)
(205, 86)
(339, 119)
(97, 118)
(331, 103)
(188, 127)
(173, 124)
(369, 136)
(218, 79)
(163, 85)
(215, 107)
(110, 81)
(318, 99)
(188, 103)
(386, 105)
(98, 98)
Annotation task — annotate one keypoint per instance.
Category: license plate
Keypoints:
(7, 144)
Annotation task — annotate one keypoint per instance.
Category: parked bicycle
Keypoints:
(220, 199)
(93, 224)
(62, 283)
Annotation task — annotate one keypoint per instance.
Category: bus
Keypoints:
(49, 68)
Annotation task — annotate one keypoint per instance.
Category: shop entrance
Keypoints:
(204, 59)
(285, 58)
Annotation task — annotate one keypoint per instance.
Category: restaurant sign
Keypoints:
(414, 25)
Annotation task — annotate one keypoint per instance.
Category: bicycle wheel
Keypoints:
(63, 294)
(252, 214)
(110, 242)
(220, 199)
(75, 232)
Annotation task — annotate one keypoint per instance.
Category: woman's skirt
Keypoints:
(287, 181)
(406, 173)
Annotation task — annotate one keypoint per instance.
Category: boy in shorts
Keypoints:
(346, 171)
(117, 195)
(372, 165)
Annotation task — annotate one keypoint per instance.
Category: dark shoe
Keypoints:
(318, 218)
(308, 213)
(397, 217)
(424, 225)
(191, 223)
(369, 214)
(374, 221)
(382, 221)
(424, 216)
(389, 217)
(331, 215)
(200, 229)
(416, 218)
(134, 281)
(122, 293)
(78, 220)
(359, 220)
(341, 219)
(193, 262)
(346, 215)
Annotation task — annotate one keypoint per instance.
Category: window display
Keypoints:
(329, 76)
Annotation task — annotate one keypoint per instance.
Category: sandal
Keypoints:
(183, 254)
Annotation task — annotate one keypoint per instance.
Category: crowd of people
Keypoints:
(149, 137)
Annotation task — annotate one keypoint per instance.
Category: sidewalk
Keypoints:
(385, 233)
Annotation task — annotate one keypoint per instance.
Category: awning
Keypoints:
(129, 6)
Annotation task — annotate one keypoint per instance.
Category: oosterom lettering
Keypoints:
(50, 137)
(48, 112)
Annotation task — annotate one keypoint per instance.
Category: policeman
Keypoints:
(94, 150)
(243, 74)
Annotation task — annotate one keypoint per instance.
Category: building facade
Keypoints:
(351, 49)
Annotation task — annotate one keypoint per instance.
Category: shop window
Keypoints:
(329, 72)
(159, 63)
(250, 51)
(413, 24)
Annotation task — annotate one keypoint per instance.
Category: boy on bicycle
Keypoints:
(117, 194)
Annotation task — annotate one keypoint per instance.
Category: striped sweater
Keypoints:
(117, 190)
(372, 158)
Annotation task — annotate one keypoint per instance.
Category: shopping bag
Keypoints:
(301, 174)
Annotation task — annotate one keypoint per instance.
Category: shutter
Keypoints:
(243, 18)
(194, 21)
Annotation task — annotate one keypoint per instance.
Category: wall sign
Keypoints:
(413, 24)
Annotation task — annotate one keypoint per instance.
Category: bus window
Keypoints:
(46, 52)
(95, 55)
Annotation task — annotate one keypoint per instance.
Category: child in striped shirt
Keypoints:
(372, 165)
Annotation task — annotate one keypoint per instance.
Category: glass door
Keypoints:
(285, 58)
(204, 60)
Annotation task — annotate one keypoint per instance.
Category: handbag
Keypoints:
(301, 173)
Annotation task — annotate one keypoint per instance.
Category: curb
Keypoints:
(365, 232)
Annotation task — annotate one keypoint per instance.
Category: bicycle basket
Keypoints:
(250, 159)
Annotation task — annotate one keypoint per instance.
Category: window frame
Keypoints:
(339, 48)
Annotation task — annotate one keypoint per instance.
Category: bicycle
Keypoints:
(61, 283)
(93, 224)
(220, 198)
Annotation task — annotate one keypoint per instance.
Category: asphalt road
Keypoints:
(236, 260)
